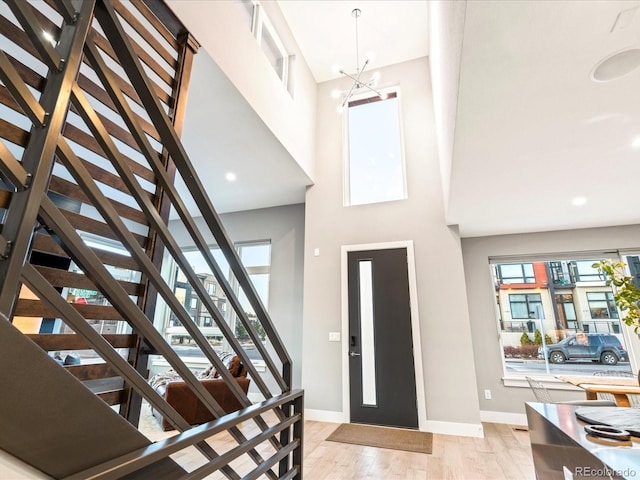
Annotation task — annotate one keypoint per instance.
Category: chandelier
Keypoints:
(358, 83)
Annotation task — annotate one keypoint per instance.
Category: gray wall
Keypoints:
(480, 292)
(284, 227)
(449, 373)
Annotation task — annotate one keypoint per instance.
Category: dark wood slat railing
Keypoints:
(63, 278)
(36, 308)
(118, 467)
(71, 190)
(52, 342)
(90, 148)
(45, 244)
(157, 46)
(91, 372)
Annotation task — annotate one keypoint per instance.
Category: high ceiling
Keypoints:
(222, 130)
(533, 132)
(389, 31)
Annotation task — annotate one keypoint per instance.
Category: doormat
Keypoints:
(383, 437)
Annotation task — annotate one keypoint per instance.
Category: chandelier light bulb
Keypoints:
(359, 83)
(336, 93)
(336, 69)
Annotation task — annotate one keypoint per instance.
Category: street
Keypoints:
(569, 368)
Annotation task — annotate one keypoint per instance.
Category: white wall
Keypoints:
(446, 31)
(222, 29)
(481, 294)
(449, 372)
(284, 227)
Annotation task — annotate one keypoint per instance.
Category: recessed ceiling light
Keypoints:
(231, 177)
(636, 143)
(579, 201)
(616, 65)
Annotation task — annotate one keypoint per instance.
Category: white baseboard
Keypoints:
(16, 469)
(324, 416)
(490, 416)
(452, 428)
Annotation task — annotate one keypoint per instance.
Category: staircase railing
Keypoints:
(81, 169)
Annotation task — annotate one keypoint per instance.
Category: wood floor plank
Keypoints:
(503, 454)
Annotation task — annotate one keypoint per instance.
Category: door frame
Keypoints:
(415, 324)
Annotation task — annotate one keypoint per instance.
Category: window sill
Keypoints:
(548, 380)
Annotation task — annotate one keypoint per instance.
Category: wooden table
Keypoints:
(619, 387)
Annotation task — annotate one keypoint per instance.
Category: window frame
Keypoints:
(360, 99)
(523, 277)
(222, 303)
(527, 301)
(631, 341)
(261, 21)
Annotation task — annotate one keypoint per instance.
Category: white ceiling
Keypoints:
(390, 31)
(223, 134)
(532, 133)
(533, 130)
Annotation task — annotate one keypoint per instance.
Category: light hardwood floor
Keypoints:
(504, 453)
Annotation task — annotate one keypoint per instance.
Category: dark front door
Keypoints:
(381, 369)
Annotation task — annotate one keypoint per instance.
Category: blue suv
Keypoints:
(597, 347)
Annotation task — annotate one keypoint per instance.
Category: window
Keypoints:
(585, 272)
(374, 165)
(256, 258)
(566, 310)
(560, 273)
(267, 38)
(602, 305)
(543, 305)
(516, 273)
(525, 306)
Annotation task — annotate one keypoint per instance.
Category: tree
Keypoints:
(525, 340)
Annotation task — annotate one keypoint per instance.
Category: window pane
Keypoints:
(367, 350)
(567, 299)
(375, 154)
(272, 52)
(255, 255)
(519, 310)
(586, 272)
(246, 6)
(570, 311)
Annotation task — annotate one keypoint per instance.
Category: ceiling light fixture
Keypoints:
(231, 177)
(579, 201)
(616, 65)
(635, 143)
(358, 84)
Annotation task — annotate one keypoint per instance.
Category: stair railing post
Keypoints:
(39, 156)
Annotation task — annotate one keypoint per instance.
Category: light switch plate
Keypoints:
(334, 336)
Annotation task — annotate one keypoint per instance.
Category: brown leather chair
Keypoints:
(180, 397)
(183, 400)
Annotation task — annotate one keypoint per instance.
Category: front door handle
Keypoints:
(354, 354)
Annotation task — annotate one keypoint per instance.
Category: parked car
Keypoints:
(597, 347)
